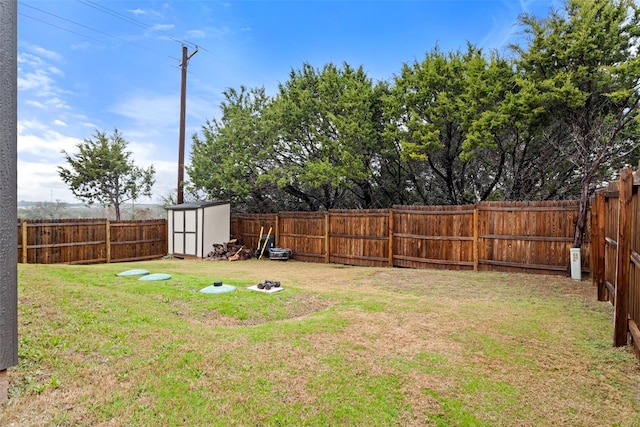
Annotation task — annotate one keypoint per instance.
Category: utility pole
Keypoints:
(183, 109)
(8, 192)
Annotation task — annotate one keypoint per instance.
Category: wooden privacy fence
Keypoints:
(615, 213)
(532, 237)
(90, 241)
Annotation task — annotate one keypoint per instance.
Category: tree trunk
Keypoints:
(581, 222)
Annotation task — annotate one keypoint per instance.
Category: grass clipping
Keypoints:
(341, 346)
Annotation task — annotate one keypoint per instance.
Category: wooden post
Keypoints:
(108, 240)
(475, 238)
(599, 246)
(277, 233)
(621, 319)
(327, 246)
(4, 387)
(595, 240)
(391, 237)
(25, 246)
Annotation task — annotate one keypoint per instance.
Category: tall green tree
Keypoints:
(325, 129)
(580, 67)
(506, 135)
(103, 171)
(433, 106)
(229, 155)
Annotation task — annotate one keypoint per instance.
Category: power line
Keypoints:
(59, 27)
(89, 28)
(123, 17)
(134, 21)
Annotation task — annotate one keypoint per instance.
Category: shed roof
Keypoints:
(197, 205)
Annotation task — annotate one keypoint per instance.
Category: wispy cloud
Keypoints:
(50, 55)
(163, 27)
(36, 104)
(150, 109)
(38, 181)
(145, 12)
(505, 25)
(137, 11)
(196, 34)
(37, 76)
(81, 46)
(59, 122)
(43, 142)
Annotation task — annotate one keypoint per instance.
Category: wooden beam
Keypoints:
(635, 336)
(108, 240)
(599, 254)
(390, 238)
(475, 239)
(25, 246)
(4, 387)
(621, 313)
(277, 233)
(327, 245)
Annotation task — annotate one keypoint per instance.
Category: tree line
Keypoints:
(551, 119)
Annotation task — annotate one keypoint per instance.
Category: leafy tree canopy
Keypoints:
(103, 172)
(581, 69)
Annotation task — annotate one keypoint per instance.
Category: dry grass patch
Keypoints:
(339, 346)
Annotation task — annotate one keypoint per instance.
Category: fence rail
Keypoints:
(532, 237)
(90, 241)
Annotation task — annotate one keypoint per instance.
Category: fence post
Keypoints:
(475, 237)
(108, 240)
(277, 232)
(25, 258)
(598, 245)
(391, 237)
(621, 322)
(327, 246)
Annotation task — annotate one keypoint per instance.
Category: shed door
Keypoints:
(185, 229)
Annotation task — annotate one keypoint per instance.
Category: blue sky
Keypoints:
(94, 64)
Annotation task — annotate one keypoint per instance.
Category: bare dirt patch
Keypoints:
(295, 307)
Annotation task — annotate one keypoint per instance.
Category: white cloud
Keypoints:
(41, 182)
(30, 59)
(38, 80)
(81, 46)
(53, 56)
(163, 27)
(59, 123)
(150, 109)
(36, 104)
(196, 34)
(57, 103)
(166, 179)
(147, 12)
(38, 140)
(55, 70)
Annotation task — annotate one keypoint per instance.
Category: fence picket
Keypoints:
(533, 237)
(78, 241)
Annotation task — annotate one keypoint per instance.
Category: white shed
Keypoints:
(195, 227)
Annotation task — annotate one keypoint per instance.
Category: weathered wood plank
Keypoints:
(622, 269)
(4, 387)
(598, 245)
(526, 238)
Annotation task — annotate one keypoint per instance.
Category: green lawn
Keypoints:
(339, 346)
